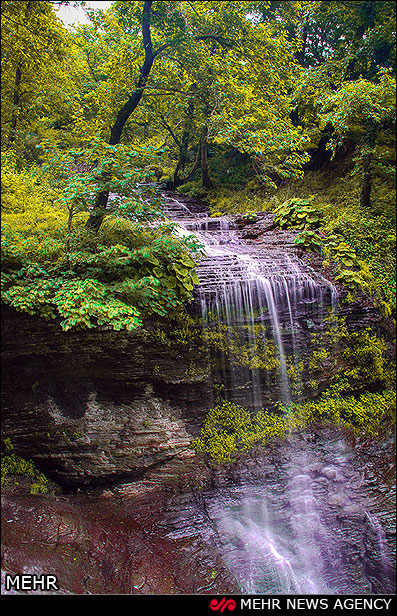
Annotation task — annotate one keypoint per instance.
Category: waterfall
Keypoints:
(292, 525)
(254, 306)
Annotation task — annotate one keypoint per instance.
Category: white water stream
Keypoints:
(248, 293)
(279, 533)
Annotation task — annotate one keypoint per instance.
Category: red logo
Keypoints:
(222, 605)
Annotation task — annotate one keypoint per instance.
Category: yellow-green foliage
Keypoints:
(368, 414)
(352, 360)
(224, 200)
(34, 226)
(229, 429)
(184, 330)
(318, 356)
(12, 465)
(297, 214)
(370, 233)
(258, 356)
(367, 352)
(295, 370)
(52, 266)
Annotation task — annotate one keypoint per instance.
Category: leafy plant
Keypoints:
(309, 240)
(12, 465)
(351, 280)
(339, 250)
(60, 270)
(229, 428)
(351, 271)
(249, 217)
(297, 214)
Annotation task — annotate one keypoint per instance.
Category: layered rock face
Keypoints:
(314, 514)
(98, 408)
(114, 543)
(311, 514)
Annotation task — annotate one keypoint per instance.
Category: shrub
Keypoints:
(12, 465)
(352, 272)
(352, 360)
(126, 271)
(297, 214)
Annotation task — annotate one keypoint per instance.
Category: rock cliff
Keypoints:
(98, 407)
(110, 416)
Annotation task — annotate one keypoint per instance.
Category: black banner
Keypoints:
(226, 605)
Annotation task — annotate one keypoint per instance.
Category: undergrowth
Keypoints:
(53, 267)
(14, 466)
(229, 429)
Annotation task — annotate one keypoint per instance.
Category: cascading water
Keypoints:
(252, 304)
(280, 531)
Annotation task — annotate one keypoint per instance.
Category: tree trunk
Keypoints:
(193, 170)
(365, 193)
(183, 145)
(205, 178)
(99, 209)
(180, 166)
(321, 155)
(16, 98)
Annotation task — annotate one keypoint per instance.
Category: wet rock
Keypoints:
(102, 545)
(281, 528)
(255, 227)
(97, 409)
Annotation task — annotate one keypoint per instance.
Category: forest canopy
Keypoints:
(246, 104)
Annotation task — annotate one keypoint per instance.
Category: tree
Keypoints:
(95, 219)
(150, 84)
(344, 47)
(34, 50)
(209, 46)
(362, 109)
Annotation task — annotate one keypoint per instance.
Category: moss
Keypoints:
(229, 430)
(237, 344)
(13, 466)
(352, 361)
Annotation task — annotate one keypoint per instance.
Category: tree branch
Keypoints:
(165, 124)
